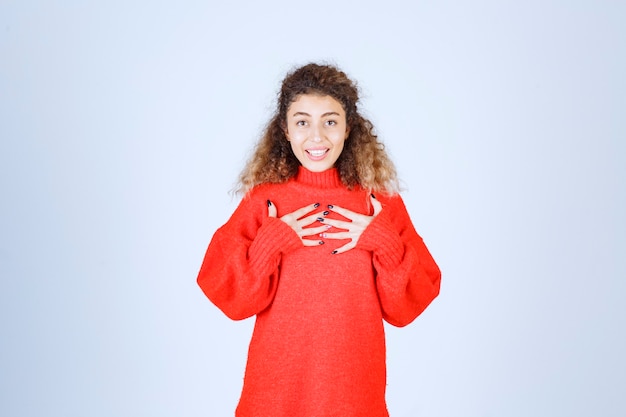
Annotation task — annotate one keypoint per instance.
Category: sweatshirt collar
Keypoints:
(325, 179)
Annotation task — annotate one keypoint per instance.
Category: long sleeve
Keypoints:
(239, 273)
(318, 345)
(407, 277)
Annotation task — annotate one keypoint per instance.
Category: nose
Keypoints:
(316, 133)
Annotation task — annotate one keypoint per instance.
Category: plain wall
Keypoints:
(123, 124)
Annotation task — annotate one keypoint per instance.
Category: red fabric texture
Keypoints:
(318, 346)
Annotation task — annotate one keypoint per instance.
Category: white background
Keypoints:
(123, 125)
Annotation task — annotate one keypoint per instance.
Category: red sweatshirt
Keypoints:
(318, 346)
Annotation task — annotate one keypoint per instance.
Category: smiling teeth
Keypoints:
(317, 152)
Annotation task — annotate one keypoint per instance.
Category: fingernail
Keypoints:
(326, 213)
(373, 196)
(321, 242)
(330, 206)
(334, 252)
(316, 205)
(269, 203)
(320, 219)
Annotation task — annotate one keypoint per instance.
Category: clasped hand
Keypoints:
(351, 229)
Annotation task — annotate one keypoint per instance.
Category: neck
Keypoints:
(325, 179)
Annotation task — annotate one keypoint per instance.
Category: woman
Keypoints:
(321, 249)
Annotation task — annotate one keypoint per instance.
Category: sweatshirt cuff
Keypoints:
(381, 238)
(273, 238)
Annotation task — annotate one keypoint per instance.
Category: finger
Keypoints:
(310, 231)
(308, 220)
(301, 212)
(337, 235)
(339, 224)
(344, 248)
(312, 242)
(271, 209)
(378, 207)
(349, 214)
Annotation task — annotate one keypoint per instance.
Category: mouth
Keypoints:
(317, 154)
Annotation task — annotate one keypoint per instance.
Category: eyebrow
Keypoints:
(330, 113)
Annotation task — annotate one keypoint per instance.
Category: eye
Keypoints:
(301, 123)
(331, 123)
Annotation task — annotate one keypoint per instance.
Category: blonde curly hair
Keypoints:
(363, 161)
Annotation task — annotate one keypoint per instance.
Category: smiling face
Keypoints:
(317, 129)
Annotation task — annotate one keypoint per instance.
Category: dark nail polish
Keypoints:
(334, 252)
(326, 213)
(316, 205)
(269, 203)
(373, 196)
(321, 242)
(330, 206)
(320, 219)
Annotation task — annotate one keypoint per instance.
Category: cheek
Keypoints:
(340, 142)
(338, 149)
(294, 144)
(341, 147)
(296, 138)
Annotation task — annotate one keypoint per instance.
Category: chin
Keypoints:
(317, 168)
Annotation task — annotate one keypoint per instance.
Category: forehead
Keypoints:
(315, 103)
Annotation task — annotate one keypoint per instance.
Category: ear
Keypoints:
(347, 132)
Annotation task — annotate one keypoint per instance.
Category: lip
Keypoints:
(317, 150)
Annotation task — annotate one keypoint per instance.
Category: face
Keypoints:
(317, 130)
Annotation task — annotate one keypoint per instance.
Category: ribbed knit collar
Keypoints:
(325, 179)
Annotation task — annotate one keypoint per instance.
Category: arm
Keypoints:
(239, 273)
(407, 277)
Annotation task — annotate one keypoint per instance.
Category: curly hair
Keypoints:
(363, 161)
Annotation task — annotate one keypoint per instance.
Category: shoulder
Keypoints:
(263, 191)
(392, 200)
(395, 210)
(256, 199)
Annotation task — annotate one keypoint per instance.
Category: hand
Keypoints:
(298, 220)
(353, 228)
